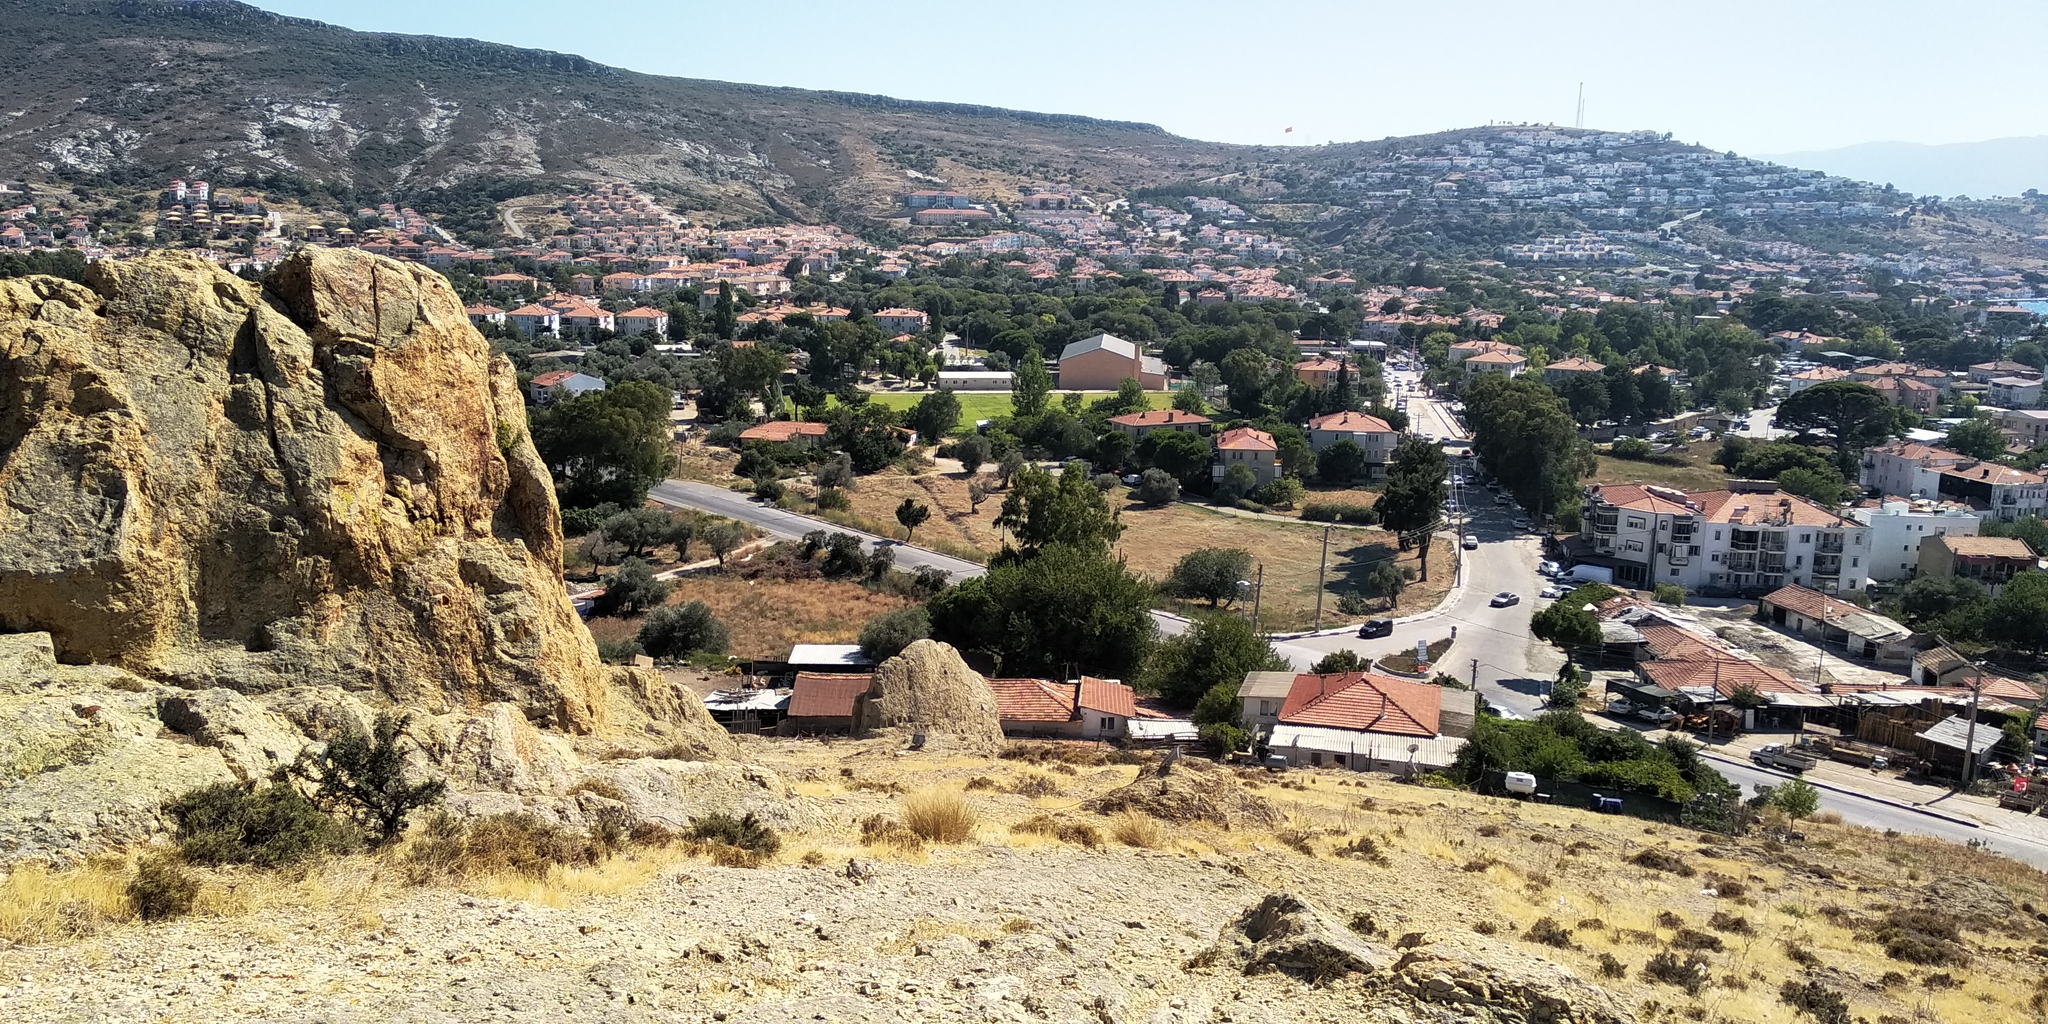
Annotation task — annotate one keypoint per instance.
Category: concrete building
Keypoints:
(1985, 373)
(1570, 367)
(1137, 424)
(1374, 436)
(1248, 446)
(1103, 361)
(1898, 527)
(2029, 427)
(1496, 362)
(567, 383)
(643, 320)
(1369, 722)
(1991, 561)
(1992, 490)
(1746, 540)
(532, 319)
(2016, 392)
(1087, 708)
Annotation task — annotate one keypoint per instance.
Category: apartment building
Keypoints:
(1897, 527)
(1749, 539)
(1992, 490)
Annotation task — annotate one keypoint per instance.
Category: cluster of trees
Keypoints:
(1562, 745)
(1528, 439)
(1962, 611)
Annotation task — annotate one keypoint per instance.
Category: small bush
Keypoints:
(1547, 931)
(883, 830)
(679, 630)
(1073, 832)
(1815, 1000)
(1937, 982)
(1363, 923)
(1364, 848)
(161, 890)
(1033, 784)
(1611, 967)
(1668, 968)
(1734, 924)
(1139, 830)
(1339, 512)
(746, 833)
(1660, 859)
(1725, 887)
(1930, 938)
(939, 816)
(1300, 840)
(832, 499)
(363, 775)
(1667, 919)
(979, 783)
(1799, 953)
(500, 844)
(269, 826)
(886, 635)
(599, 787)
(1693, 938)
(1487, 927)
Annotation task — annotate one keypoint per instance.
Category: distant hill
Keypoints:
(1995, 167)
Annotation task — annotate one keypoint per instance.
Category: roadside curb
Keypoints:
(1846, 791)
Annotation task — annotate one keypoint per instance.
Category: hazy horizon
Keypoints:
(1333, 71)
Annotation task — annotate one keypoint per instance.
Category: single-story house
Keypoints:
(1085, 708)
(545, 387)
(1863, 634)
(1263, 694)
(1364, 721)
(1137, 424)
(783, 431)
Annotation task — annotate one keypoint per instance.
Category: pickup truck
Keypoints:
(1778, 755)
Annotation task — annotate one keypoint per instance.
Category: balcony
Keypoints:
(1830, 544)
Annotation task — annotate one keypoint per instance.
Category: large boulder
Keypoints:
(1189, 790)
(323, 480)
(1288, 934)
(928, 693)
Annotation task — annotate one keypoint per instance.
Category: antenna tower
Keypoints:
(1580, 121)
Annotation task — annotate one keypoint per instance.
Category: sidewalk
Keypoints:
(1855, 782)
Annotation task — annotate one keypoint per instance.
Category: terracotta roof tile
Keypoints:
(1107, 697)
(818, 695)
(1157, 418)
(1033, 700)
(1364, 701)
(1351, 422)
(1247, 439)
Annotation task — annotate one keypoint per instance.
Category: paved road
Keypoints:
(790, 526)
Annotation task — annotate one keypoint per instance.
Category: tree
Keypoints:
(1178, 452)
(678, 630)
(754, 371)
(610, 445)
(1188, 398)
(1413, 501)
(1568, 625)
(1209, 574)
(1930, 598)
(1796, 797)
(1977, 438)
(1629, 448)
(2018, 616)
(363, 775)
(1238, 482)
(1219, 650)
(886, 635)
(1156, 487)
(977, 492)
(1386, 580)
(636, 530)
(1337, 662)
(725, 317)
(1113, 450)
(1855, 415)
(630, 588)
(1060, 611)
(1007, 469)
(1030, 385)
(1340, 462)
(836, 472)
(912, 514)
(935, 415)
(722, 537)
(1527, 438)
(1247, 373)
(1822, 486)
(1042, 509)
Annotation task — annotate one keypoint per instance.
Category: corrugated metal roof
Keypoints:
(1952, 731)
(1162, 730)
(746, 700)
(848, 655)
(1266, 685)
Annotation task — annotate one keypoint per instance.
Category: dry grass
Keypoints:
(1688, 468)
(939, 816)
(40, 905)
(766, 617)
(1140, 830)
(954, 521)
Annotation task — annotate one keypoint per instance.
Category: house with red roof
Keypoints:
(785, 431)
(534, 318)
(1368, 721)
(1137, 424)
(1373, 436)
(565, 383)
(642, 320)
(1085, 708)
(896, 320)
(1249, 447)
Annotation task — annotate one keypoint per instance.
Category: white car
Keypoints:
(1553, 592)
(1471, 542)
(1549, 568)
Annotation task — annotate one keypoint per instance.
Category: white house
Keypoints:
(1742, 540)
(643, 320)
(534, 318)
(1897, 527)
(2016, 392)
(569, 382)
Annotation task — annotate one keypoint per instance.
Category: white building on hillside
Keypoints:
(1743, 540)
(1897, 528)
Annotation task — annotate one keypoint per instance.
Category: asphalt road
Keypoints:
(790, 526)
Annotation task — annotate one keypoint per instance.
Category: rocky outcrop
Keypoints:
(324, 480)
(1286, 933)
(928, 692)
(1473, 973)
(1190, 790)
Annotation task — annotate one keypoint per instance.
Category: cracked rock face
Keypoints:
(324, 480)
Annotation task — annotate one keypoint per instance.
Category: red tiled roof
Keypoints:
(1671, 643)
(1032, 700)
(1109, 698)
(1157, 418)
(1351, 422)
(1365, 702)
(1723, 675)
(783, 430)
(1247, 439)
(817, 695)
(553, 377)
(1577, 364)
(1637, 498)
(1987, 547)
(642, 313)
(533, 309)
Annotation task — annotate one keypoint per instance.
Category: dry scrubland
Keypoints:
(766, 616)
(986, 891)
(1688, 467)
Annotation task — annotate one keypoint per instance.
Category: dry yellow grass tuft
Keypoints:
(1140, 830)
(939, 816)
(766, 617)
(40, 905)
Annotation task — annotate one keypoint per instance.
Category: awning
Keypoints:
(1641, 692)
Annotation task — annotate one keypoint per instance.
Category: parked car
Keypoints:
(1621, 706)
(1524, 524)
(1504, 599)
(1132, 480)
(1376, 627)
(1471, 542)
(1549, 568)
(1553, 592)
(1661, 716)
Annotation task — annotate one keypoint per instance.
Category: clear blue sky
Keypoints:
(1756, 77)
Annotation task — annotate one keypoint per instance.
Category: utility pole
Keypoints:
(1258, 591)
(1970, 733)
(1475, 675)
(1320, 570)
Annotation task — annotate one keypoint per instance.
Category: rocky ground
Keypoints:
(1017, 925)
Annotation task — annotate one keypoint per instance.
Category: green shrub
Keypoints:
(1815, 1000)
(1629, 448)
(161, 890)
(673, 631)
(268, 826)
(886, 635)
(1669, 593)
(1927, 937)
(745, 832)
(363, 775)
(832, 499)
(1547, 931)
(1339, 512)
(1668, 968)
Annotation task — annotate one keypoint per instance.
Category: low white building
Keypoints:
(1992, 490)
(1897, 528)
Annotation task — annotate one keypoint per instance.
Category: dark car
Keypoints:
(1376, 627)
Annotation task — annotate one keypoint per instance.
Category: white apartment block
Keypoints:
(1738, 541)
(1897, 528)
(1992, 490)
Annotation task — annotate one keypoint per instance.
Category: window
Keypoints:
(1674, 572)
(1695, 551)
(1635, 522)
(1806, 538)
(1717, 558)
(1717, 535)
(1798, 560)
(1853, 562)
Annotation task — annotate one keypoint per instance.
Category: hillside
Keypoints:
(135, 92)
(147, 89)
